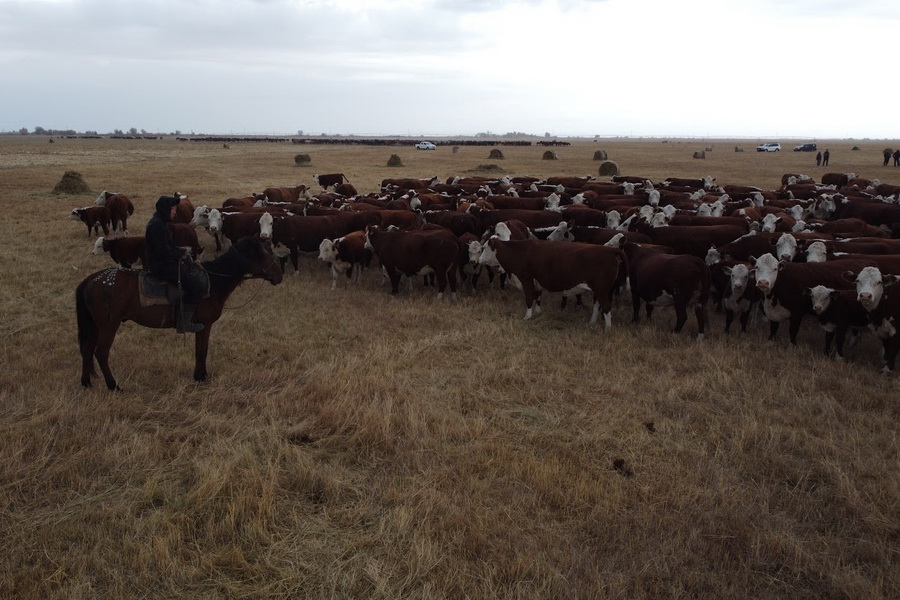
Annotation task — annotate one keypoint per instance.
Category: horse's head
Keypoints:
(259, 260)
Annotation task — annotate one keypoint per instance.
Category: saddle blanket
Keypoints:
(154, 291)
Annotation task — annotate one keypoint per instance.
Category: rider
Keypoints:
(166, 261)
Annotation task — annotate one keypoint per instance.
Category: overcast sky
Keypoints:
(707, 68)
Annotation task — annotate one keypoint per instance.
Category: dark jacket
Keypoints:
(162, 255)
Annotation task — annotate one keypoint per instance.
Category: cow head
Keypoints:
(766, 269)
(816, 252)
(869, 287)
(613, 219)
(328, 251)
(739, 278)
(820, 296)
(769, 222)
(474, 248)
(786, 247)
(214, 220)
(76, 214)
(653, 197)
(101, 199)
(99, 247)
(659, 219)
(552, 202)
(561, 233)
(502, 231)
(709, 181)
(488, 254)
(713, 256)
(616, 241)
(201, 217)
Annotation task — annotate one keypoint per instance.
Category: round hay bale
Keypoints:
(700, 154)
(550, 155)
(302, 159)
(496, 154)
(71, 183)
(608, 168)
(601, 155)
(455, 150)
(738, 148)
(709, 149)
(394, 161)
(855, 148)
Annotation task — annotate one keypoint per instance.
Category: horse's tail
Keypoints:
(87, 328)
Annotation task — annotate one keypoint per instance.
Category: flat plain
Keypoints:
(351, 444)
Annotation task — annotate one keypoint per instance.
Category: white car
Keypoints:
(425, 146)
(769, 147)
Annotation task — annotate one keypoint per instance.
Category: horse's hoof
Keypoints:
(86, 384)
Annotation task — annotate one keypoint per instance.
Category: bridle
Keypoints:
(267, 275)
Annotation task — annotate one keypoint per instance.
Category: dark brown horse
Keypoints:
(107, 298)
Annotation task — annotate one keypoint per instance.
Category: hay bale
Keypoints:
(496, 154)
(71, 183)
(394, 161)
(608, 168)
(550, 155)
(700, 154)
(455, 150)
(600, 155)
(738, 148)
(302, 159)
(709, 149)
(855, 148)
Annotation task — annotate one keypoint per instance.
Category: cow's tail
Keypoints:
(130, 207)
(87, 327)
(347, 179)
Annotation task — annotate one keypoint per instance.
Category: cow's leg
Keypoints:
(680, 316)
(729, 317)
(451, 278)
(295, 259)
(594, 313)
(829, 340)
(394, 275)
(88, 348)
(440, 276)
(700, 315)
(636, 306)
(105, 337)
(795, 327)
(891, 346)
(201, 349)
(528, 290)
(745, 317)
(773, 330)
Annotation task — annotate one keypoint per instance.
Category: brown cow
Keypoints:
(120, 208)
(659, 279)
(568, 267)
(419, 252)
(95, 217)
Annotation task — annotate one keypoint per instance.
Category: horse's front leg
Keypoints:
(201, 349)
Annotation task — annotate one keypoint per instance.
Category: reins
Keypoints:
(244, 278)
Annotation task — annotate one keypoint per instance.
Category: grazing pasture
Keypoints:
(354, 444)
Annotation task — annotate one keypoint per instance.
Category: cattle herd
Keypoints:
(827, 249)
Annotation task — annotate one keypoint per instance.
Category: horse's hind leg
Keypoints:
(87, 361)
(105, 339)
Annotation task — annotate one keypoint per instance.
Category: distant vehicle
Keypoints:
(425, 146)
(769, 147)
(805, 148)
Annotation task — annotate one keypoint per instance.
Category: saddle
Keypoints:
(154, 291)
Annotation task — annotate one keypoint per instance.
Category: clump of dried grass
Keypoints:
(496, 154)
(302, 159)
(608, 168)
(71, 183)
(394, 161)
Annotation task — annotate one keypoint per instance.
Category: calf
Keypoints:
(330, 179)
(417, 253)
(95, 217)
(659, 279)
(347, 254)
(568, 267)
(837, 311)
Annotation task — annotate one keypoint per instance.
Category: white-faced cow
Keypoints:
(785, 286)
(95, 217)
(879, 294)
(120, 208)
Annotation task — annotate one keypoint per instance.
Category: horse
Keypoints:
(107, 298)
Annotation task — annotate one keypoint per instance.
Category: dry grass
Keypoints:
(355, 445)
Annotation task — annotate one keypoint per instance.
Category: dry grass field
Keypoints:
(350, 444)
